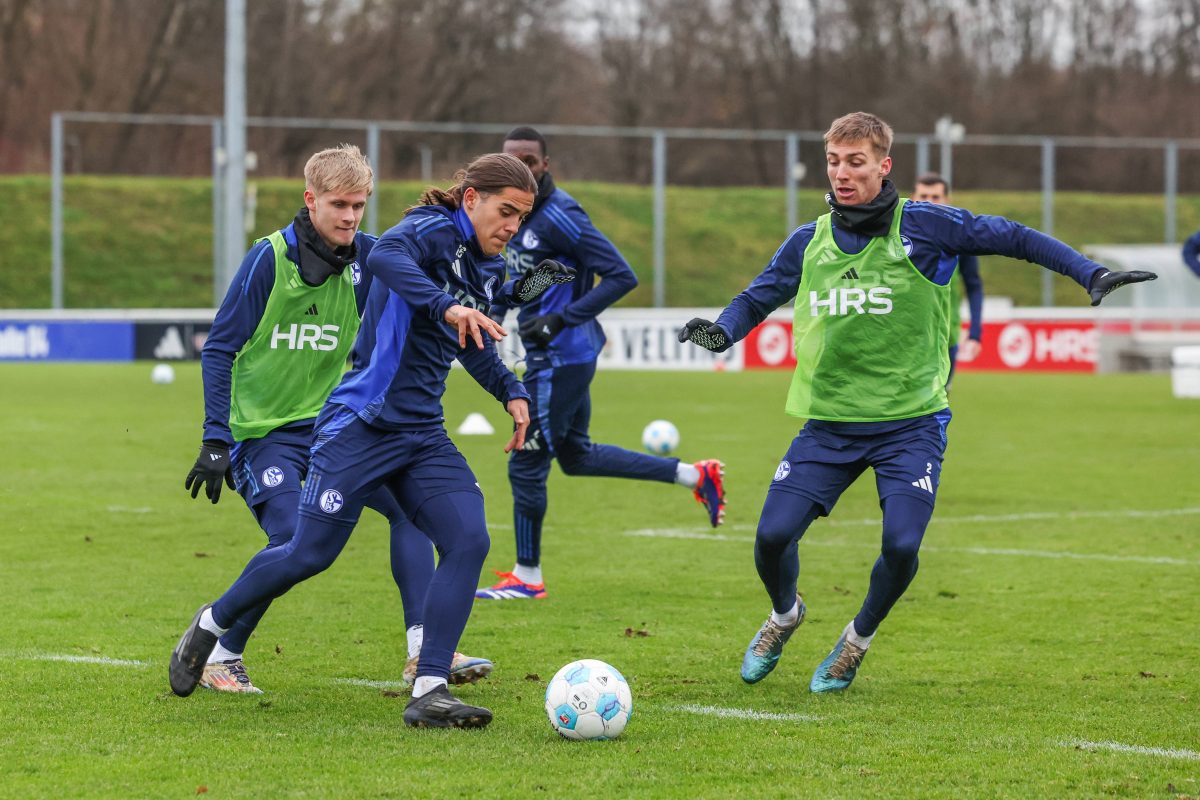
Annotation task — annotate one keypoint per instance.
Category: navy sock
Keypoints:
(609, 461)
(277, 517)
(412, 556)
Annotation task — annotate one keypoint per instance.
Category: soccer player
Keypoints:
(932, 188)
(277, 347)
(383, 425)
(562, 342)
(871, 281)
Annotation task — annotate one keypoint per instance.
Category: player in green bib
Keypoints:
(872, 298)
(278, 347)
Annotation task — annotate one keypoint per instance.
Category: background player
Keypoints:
(562, 342)
(871, 282)
(932, 188)
(277, 347)
(384, 425)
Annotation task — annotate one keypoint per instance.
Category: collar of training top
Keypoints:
(869, 219)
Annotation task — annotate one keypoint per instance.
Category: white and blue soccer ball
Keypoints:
(660, 437)
(588, 700)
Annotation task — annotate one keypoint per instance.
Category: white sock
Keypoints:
(220, 653)
(528, 574)
(687, 475)
(789, 619)
(416, 635)
(426, 684)
(206, 622)
(853, 637)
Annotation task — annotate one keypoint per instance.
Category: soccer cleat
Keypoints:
(463, 669)
(228, 676)
(190, 656)
(839, 667)
(440, 709)
(767, 646)
(710, 491)
(511, 587)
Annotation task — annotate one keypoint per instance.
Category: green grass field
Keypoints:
(1053, 622)
(147, 242)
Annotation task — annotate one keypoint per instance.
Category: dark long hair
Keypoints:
(487, 174)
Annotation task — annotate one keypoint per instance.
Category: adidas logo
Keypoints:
(851, 275)
(214, 457)
(312, 311)
(925, 483)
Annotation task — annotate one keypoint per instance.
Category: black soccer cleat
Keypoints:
(440, 709)
(190, 656)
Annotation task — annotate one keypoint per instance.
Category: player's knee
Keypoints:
(573, 461)
(472, 544)
(775, 534)
(900, 550)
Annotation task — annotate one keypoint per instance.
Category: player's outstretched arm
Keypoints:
(1106, 281)
(211, 467)
(706, 334)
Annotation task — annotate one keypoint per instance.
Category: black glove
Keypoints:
(539, 331)
(211, 466)
(704, 333)
(537, 280)
(1106, 281)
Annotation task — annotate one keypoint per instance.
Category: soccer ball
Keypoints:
(162, 373)
(660, 437)
(588, 700)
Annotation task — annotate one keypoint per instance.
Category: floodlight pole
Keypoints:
(56, 210)
(1047, 214)
(1171, 189)
(373, 157)
(235, 138)
(660, 218)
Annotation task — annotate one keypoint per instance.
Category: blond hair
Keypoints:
(860, 125)
(339, 169)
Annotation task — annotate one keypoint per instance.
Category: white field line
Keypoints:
(741, 713)
(1117, 747)
(108, 662)
(682, 533)
(1029, 516)
(712, 711)
(371, 684)
(129, 509)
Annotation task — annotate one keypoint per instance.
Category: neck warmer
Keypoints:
(546, 188)
(869, 219)
(317, 259)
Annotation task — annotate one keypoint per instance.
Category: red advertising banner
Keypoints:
(1027, 345)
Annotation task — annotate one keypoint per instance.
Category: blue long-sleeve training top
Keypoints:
(560, 229)
(968, 268)
(938, 236)
(239, 316)
(422, 266)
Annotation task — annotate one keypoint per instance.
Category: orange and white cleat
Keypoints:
(228, 676)
(511, 587)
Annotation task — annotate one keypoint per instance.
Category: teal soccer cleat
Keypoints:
(767, 646)
(839, 667)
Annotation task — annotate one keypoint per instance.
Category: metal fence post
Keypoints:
(1047, 213)
(218, 201)
(235, 137)
(373, 157)
(56, 210)
(1170, 189)
(789, 180)
(947, 168)
(660, 218)
(922, 155)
